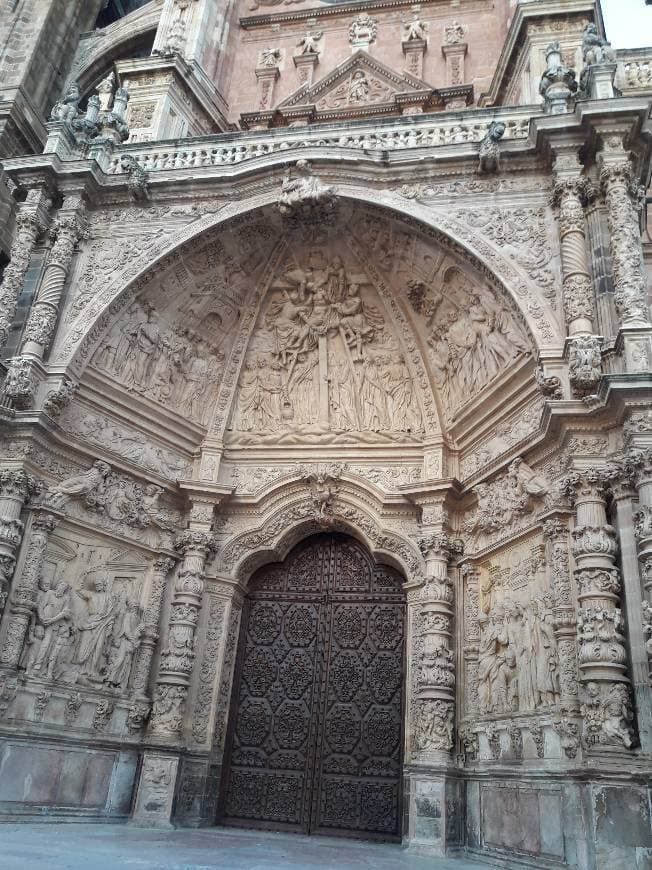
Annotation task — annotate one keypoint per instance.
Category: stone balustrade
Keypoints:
(634, 71)
(226, 149)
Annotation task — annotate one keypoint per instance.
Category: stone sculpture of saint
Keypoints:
(126, 640)
(49, 630)
(95, 630)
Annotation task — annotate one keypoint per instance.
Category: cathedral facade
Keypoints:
(326, 422)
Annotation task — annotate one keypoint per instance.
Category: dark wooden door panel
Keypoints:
(318, 700)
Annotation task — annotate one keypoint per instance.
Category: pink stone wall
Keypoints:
(485, 27)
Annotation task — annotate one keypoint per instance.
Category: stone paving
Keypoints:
(108, 847)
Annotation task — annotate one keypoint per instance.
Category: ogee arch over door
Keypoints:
(317, 716)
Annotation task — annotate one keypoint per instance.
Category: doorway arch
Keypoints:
(316, 734)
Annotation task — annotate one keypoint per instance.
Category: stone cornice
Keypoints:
(249, 22)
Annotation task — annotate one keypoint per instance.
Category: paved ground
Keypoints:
(108, 847)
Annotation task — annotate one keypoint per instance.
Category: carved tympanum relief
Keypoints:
(172, 364)
(171, 343)
(324, 359)
(472, 334)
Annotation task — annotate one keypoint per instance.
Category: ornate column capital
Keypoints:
(15, 483)
(590, 483)
(440, 546)
(195, 542)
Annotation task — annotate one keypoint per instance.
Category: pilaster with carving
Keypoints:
(29, 223)
(557, 537)
(16, 486)
(621, 193)
(178, 656)
(67, 230)
(434, 713)
(151, 622)
(634, 480)
(24, 592)
(607, 707)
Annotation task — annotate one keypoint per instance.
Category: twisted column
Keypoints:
(23, 595)
(602, 657)
(557, 537)
(28, 227)
(583, 347)
(620, 192)
(570, 195)
(151, 621)
(435, 696)
(45, 310)
(177, 658)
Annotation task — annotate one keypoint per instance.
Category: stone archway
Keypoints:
(316, 733)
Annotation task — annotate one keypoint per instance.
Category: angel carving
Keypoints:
(92, 480)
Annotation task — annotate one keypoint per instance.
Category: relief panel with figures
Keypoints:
(87, 623)
(518, 669)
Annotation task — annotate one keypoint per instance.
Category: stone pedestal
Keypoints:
(434, 811)
(305, 64)
(413, 52)
(634, 346)
(156, 790)
(598, 81)
(267, 77)
(455, 55)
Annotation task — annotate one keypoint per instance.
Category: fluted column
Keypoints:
(28, 226)
(620, 192)
(177, 658)
(16, 486)
(602, 656)
(435, 696)
(67, 230)
(151, 621)
(25, 590)
(557, 537)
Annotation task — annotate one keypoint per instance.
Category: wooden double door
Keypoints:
(316, 731)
